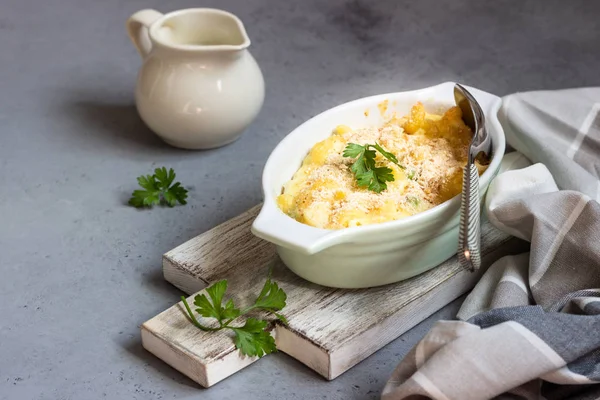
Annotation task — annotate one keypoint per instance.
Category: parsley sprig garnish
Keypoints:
(158, 189)
(252, 338)
(366, 172)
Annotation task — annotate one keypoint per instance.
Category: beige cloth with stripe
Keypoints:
(531, 327)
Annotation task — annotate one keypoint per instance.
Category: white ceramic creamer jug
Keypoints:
(199, 86)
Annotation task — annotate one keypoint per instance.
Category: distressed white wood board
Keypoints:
(330, 330)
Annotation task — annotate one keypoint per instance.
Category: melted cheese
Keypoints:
(432, 148)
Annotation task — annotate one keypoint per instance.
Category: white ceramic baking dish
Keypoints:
(369, 255)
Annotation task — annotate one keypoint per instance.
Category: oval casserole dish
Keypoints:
(377, 254)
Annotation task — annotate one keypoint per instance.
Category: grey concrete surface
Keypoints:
(80, 271)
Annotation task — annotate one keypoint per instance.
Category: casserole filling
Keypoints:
(431, 150)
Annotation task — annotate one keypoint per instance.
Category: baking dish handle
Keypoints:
(280, 229)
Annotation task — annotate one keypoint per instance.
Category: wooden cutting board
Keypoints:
(330, 330)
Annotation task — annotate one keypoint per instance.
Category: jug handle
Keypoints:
(137, 28)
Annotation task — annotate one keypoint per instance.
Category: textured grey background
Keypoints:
(80, 270)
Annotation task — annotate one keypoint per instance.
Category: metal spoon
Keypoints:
(469, 236)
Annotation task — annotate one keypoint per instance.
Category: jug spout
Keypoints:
(201, 29)
(196, 29)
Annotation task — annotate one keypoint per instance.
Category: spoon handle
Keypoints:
(469, 235)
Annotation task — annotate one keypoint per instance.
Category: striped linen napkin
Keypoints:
(531, 327)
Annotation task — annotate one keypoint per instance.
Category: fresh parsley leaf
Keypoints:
(205, 307)
(164, 178)
(170, 199)
(365, 179)
(353, 150)
(212, 308)
(370, 157)
(148, 197)
(357, 151)
(377, 186)
(387, 155)
(367, 174)
(253, 338)
(230, 312)
(158, 190)
(216, 293)
(271, 297)
(360, 165)
(179, 193)
(144, 198)
(382, 175)
(281, 318)
(148, 182)
(193, 318)
(412, 175)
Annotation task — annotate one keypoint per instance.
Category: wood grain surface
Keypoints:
(330, 330)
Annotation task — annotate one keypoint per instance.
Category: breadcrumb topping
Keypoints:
(432, 148)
